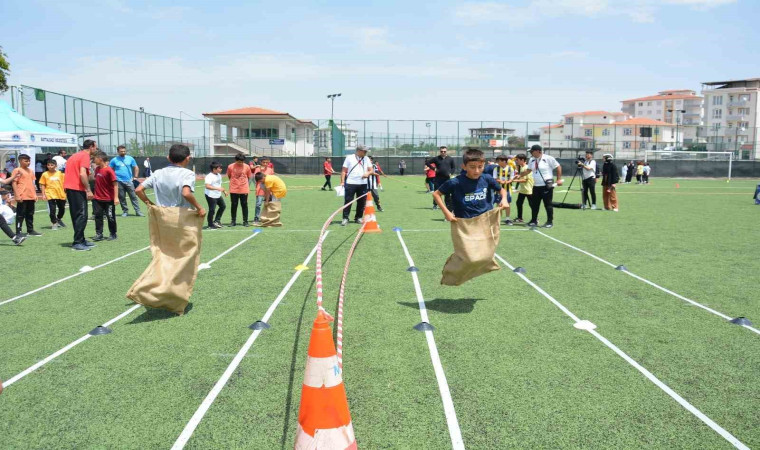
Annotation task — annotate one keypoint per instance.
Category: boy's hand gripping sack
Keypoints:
(175, 243)
(475, 241)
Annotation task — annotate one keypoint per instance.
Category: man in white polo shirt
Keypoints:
(543, 166)
(353, 177)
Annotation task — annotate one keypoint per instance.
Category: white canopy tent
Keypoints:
(20, 135)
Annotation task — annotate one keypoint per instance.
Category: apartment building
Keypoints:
(569, 133)
(682, 107)
(731, 118)
(492, 137)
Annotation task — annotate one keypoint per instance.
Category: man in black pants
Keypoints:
(356, 169)
(543, 166)
(78, 192)
(589, 179)
(444, 167)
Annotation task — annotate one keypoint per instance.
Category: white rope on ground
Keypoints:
(34, 291)
(341, 297)
(448, 404)
(84, 338)
(195, 420)
(674, 395)
(667, 291)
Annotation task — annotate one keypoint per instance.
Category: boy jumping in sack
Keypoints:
(474, 223)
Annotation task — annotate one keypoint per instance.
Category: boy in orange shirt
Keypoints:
(239, 174)
(26, 195)
(51, 186)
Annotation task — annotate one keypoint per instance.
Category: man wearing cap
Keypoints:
(10, 165)
(610, 179)
(444, 168)
(356, 169)
(589, 179)
(543, 166)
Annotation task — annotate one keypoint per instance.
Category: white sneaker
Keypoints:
(615, 209)
(55, 226)
(593, 206)
(344, 222)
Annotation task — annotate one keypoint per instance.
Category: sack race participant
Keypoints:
(175, 236)
(474, 222)
(274, 191)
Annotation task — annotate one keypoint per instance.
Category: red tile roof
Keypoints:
(663, 97)
(595, 113)
(249, 111)
(556, 125)
(643, 121)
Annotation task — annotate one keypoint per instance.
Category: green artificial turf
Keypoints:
(520, 374)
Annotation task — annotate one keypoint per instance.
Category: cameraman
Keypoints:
(589, 178)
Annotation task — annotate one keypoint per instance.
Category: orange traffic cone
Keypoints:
(323, 418)
(369, 219)
(677, 186)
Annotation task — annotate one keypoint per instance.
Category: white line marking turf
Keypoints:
(189, 429)
(34, 291)
(667, 291)
(583, 326)
(87, 336)
(443, 386)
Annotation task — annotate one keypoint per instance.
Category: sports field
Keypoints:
(662, 369)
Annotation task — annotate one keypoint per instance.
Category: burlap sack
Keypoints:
(270, 216)
(175, 242)
(475, 241)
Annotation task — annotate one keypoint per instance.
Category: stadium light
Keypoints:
(678, 122)
(332, 104)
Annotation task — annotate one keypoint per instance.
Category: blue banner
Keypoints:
(277, 142)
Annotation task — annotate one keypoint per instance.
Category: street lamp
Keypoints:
(678, 121)
(427, 125)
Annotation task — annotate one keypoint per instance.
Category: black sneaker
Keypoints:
(34, 233)
(532, 224)
(112, 237)
(89, 244)
(61, 224)
(233, 224)
(80, 248)
(246, 224)
(548, 225)
(508, 222)
(379, 208)
(217, 225)
(97, 238)
(19, 239)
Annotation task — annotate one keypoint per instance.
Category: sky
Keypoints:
(526, 60)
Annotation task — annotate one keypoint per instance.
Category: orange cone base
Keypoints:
(331, 439)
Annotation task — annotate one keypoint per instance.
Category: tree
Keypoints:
(5, 70)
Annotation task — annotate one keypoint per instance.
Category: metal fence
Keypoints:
(150, 134)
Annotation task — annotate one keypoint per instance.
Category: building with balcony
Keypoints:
(492, 137)
(259, 131)
(731, 117)
(569, 133)
(679, 107)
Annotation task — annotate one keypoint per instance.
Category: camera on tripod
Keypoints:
(580, 161)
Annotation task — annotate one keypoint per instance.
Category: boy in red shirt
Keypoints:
(25, 193)
(327, 170)
(105, 198)
(239, 174)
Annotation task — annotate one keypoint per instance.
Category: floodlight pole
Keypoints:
(332, 122)
(682, 111)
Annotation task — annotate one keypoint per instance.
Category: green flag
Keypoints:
(39, 94)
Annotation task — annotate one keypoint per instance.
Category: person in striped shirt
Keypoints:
(503, 173)
(373, 182)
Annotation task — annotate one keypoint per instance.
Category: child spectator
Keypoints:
(327, 170)
(503, 173)
(639, 172)
(525, 185)
(38, 170)
(239, 174)
(429, 177)
(105, 198)
(373, 182)
(7, 217)
(25, 194)
(647, 171)
(213, 193)
(267, 169)
(51, 185)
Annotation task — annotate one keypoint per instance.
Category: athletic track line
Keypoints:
(588, 326)
(65, 349)
(443, 386)
(189, 429)
(667, 291)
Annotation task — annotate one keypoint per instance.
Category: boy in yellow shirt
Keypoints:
(51, 184)
(274, 188)
(525, 186)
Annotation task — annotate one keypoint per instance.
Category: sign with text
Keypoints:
(277, 142)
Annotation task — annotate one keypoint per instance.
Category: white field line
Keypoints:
(443, 386)
(34, 291)
(82, 339)
(189, 429)
(667, 291)
(688, 406)
(256, 233)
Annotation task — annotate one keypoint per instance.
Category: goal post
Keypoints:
(681, 155)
